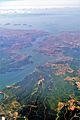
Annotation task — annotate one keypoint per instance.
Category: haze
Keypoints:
(24, 4)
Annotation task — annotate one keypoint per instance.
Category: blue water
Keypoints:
(50, 23)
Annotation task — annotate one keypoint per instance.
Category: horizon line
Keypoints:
(43, 7)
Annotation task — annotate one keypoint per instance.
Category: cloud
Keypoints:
(24, 4)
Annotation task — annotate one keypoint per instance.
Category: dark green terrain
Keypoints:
(52, 90)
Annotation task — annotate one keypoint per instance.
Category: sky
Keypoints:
(25, 4)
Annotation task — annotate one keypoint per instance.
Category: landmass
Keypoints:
(52, 90)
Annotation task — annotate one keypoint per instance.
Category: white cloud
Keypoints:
(24, 4)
